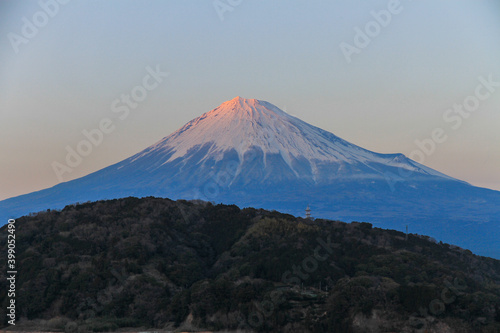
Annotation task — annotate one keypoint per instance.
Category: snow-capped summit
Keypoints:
(306, 152)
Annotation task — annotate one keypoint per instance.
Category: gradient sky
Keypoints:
(64, 79)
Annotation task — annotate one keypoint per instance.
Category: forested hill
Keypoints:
(157, 263)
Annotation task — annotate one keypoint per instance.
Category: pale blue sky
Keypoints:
(64, 79)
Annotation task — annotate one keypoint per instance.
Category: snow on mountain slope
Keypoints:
(246, 124)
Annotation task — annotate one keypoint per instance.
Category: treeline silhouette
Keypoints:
(154, 262)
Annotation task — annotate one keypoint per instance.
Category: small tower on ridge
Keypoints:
(308, 213)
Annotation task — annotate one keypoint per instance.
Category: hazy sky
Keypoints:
(379, 84)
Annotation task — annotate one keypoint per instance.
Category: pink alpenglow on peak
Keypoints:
(247, 105)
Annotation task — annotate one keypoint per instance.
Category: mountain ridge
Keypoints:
(251, 153)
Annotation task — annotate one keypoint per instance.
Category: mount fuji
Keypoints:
(251, 153)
